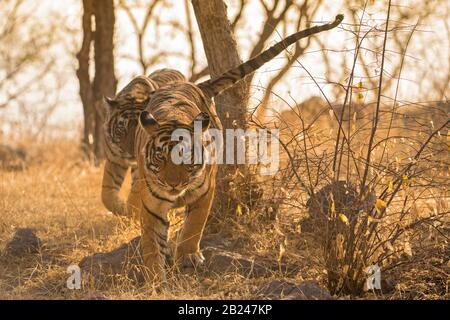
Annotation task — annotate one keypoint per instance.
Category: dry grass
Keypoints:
(58, 196)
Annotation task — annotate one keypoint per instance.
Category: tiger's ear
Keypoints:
(148, 122)
(205, 120)
(110, 103)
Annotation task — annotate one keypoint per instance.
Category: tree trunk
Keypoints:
(86, 92)
(222, 54)
(104, 79)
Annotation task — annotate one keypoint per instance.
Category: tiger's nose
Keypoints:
(173, 185)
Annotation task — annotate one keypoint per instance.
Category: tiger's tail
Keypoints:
(214, 86)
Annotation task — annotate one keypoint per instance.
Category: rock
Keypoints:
(387, 286)
(220, 261)
(125, 260)
(23, 242)
(12, 159)
(290, 290)
(215, 241)
(345, 198)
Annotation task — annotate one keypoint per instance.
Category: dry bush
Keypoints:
(374, 176)
(401, 213)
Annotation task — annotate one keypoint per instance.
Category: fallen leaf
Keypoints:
(380, 204)
(238, 210)
(343, 218)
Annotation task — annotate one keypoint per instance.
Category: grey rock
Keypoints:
(12, 159)
(125, 260)
(221, 261)
(216, 242)
(23, 242)
(346, 200)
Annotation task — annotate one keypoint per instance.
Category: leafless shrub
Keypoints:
(28, 90)
(374, 173)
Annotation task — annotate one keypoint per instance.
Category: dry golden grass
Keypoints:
(58, 196)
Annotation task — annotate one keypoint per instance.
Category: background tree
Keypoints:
(28, 68)
(222, 54)
(141, 29)
(281, 17)
(100, 35)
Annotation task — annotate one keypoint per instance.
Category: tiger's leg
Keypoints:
(188, 248)
(154, 228)
(113, 176)
(134, 198)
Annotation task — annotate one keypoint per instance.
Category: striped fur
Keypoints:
(120, 125)
(166, 76)
(164, 185)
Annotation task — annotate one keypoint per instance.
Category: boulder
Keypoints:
(23, 242)
(125, 260)
(221, 261)
(346, 200)
(12, 159)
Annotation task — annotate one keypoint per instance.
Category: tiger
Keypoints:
(121, 119)
(164, 184)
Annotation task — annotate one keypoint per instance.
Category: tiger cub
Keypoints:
(121, 120)
(163, 183)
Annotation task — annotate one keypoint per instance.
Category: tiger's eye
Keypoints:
(159, 155)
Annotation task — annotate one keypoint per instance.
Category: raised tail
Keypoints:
(213, 87)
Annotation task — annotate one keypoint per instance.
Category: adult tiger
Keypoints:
(164, 184)
(122, 114)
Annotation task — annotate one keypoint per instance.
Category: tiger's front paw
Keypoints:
(192, 260)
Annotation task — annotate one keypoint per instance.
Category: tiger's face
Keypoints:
(122, 116)
(119, 128)
(170, 165)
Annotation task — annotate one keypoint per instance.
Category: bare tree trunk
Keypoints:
(104, 80)
(86, 92)
(222, 54)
